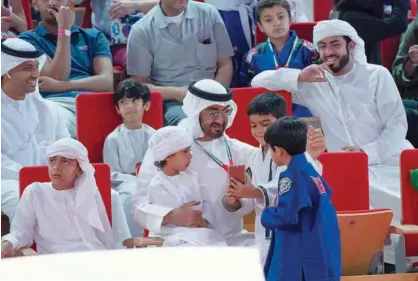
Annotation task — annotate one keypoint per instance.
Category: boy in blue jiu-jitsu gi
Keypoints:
(283, 48)
(306, 242)
(238, 16)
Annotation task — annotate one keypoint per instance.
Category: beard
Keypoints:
(214, 130)
(342, 62)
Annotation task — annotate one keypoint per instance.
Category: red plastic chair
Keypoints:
(322, 9)
(409, 161)
(28, 13)
(241, 129)
(413, 8)
(347, 173)
(304, 30)
(29, 175)
(86, 23)
(97, 118)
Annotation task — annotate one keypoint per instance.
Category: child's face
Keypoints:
(259, 125)
(180, 161)
(131, 109)
(63, 171)
(275, 22)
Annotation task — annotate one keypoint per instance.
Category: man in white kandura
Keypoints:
(28, 123)
(358, 104)
(210, 111)
(66, 214)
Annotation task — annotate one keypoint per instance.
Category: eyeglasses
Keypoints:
(216, 113)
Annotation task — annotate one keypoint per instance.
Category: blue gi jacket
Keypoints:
(296, 53)
(306, 242)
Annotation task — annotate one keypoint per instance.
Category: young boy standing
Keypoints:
(263, 173)
(125, 147)
(304, 220)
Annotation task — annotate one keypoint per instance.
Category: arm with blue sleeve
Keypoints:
(290, 203)
(247, 72)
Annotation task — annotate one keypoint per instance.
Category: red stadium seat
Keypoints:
(413, 8)
(28, 13)
(322, 9)
(86, 23)
(409, 161)
(29, 175)
(97, 118)
(241, 129)
(304, 30)
(347, 175)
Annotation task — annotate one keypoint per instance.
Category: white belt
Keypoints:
(245, 8)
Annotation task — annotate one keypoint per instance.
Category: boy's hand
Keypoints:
(316, 142)
(7, 250)
(247, 190)
(232, 201)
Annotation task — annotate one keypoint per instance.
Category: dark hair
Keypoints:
(267, 103)
(160, 164)
(265, 4)
(131, 89)
(289, 133)
(371, 7)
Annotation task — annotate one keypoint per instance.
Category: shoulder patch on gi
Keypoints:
(319, 185)
(284, 185)
(250, 55)
(309, 45)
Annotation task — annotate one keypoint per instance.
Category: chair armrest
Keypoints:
(143, 242)
(25, 252)
(403, 229)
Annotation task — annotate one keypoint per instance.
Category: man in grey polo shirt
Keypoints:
(177, 42)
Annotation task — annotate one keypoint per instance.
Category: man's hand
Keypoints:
(7, 250)
(48, 84)
(413, 54)
(186, 216)
(240, 190)
(65, 16)
(316, 142)
(6, 24)
(121, 8)
(351, 149)
(315, 73)
(233, 201)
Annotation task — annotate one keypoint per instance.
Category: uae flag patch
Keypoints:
(319, 185)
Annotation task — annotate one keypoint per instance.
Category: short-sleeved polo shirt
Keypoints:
(86, 44)
(173, 54)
